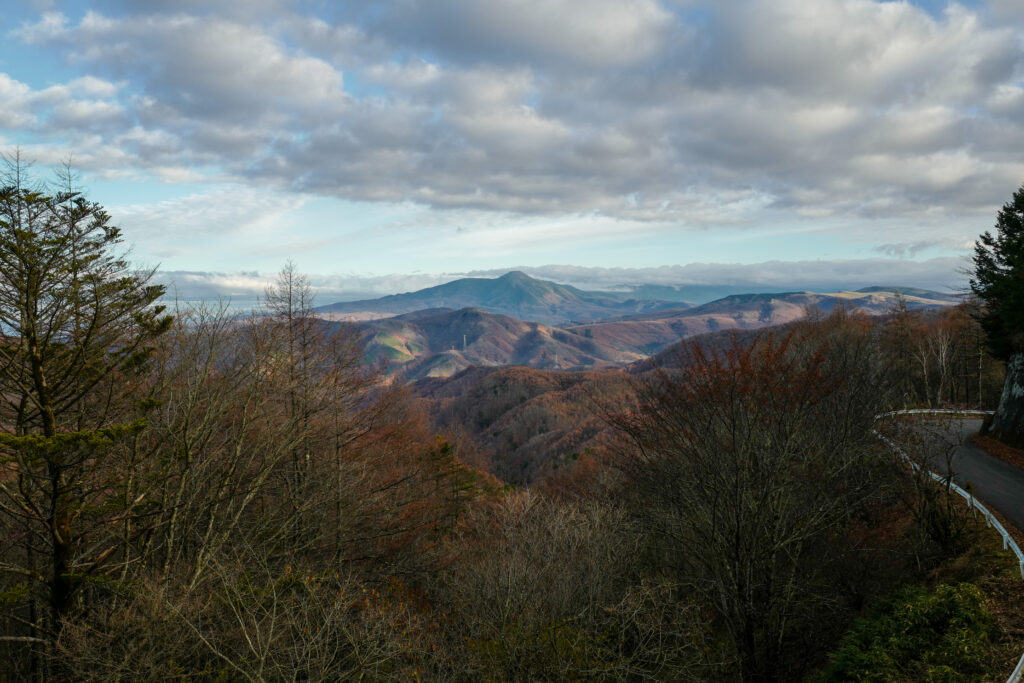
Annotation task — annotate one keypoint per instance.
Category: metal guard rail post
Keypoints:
(1008, 541)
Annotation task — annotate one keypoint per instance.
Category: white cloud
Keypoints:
(224, 211)
(199, 65)
(863, 49)
(769, 110)
(82, 114)
(90, 86)
(245, 286)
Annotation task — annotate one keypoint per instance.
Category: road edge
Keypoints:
(1008, 539)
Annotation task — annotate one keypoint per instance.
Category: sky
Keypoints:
(391, 145)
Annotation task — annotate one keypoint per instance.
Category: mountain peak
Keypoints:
(515, 293)
(516, 276)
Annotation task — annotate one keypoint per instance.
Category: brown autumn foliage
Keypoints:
(531, 426)
(939, 359)
(293, 517)
(749, 464)
(259, 452)
(531, 422)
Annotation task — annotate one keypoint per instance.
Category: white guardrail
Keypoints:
(1008, 541)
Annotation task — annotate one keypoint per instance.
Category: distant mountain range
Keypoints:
(705, 293)
(440, 331)
(532, 424)
(513, 294)
(648, 333)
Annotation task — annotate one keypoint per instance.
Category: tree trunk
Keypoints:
(1008, 423)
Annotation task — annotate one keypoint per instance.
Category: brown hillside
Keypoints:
(442, 342)
(648, 333)
(529, 421)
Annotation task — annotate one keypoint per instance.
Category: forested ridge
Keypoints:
(191, 494)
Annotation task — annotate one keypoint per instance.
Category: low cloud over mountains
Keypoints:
(695, 282)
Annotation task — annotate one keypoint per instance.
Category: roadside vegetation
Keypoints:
(960, 622)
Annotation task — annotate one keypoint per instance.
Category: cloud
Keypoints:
(939, 274)
(594, 33)
(90, 86)
(212, 286)
(904, 249)
(690, 114)
(714, 279)
(197, 66)
(85, 114)
(230, 216)
(859, 50)
(1007, 10)
(245, 287)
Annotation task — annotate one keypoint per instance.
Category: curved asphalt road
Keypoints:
(998, 485)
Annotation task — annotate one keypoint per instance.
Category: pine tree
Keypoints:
(998, 281)
(75, 323)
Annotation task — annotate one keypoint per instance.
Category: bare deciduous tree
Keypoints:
(745, 462)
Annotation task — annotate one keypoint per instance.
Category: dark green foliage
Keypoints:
(998, 279)
(999, 283)
(71, 310)
(76, 328)
(39, 448)
(918, 634)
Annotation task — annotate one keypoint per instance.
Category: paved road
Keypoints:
(998, 485)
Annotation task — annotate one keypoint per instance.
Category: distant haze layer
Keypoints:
(695, 283)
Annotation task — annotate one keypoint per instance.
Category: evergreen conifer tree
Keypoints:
(998, 281)
(75, 322)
